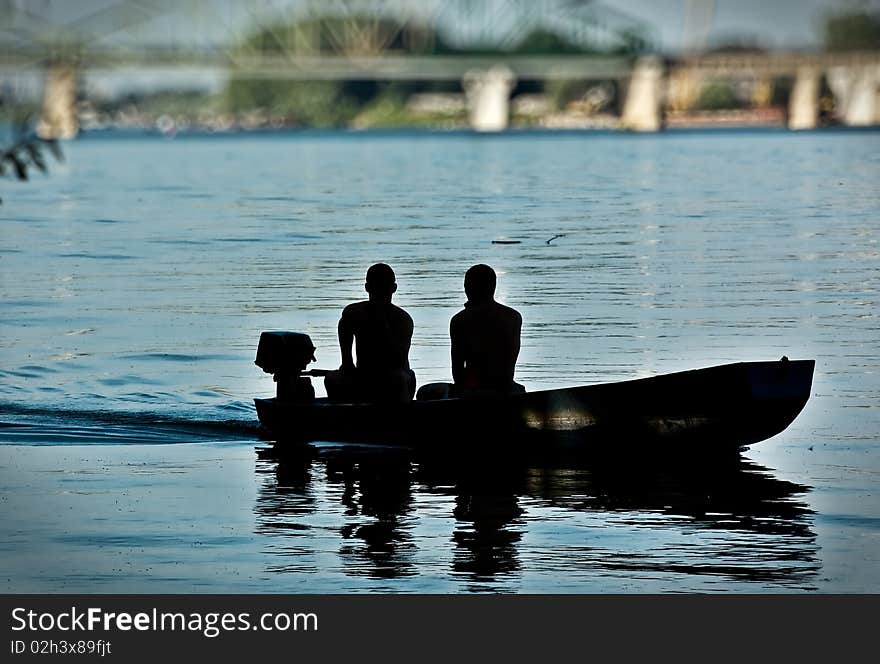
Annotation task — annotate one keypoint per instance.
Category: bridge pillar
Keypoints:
(803, 104)
(488, 97)
(857, 92)
(644, 96)
(58, 118)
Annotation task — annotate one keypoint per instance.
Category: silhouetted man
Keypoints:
(485, 338)
(381, 333)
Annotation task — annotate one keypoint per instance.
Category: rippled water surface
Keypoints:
(136, 278)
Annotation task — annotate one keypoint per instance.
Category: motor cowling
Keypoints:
(286, 355)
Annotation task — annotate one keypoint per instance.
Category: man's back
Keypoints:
(382, 333)
(485, 340)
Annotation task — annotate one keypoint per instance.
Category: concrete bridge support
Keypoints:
(803, 104)
(488, 97)
(58, 118)
(644, 97)
(857, 92)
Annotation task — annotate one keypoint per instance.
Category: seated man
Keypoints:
(485, 339)
(382, 333)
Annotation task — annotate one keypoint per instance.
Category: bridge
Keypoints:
(398, 40)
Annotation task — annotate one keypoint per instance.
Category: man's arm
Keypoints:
(407, 342)
(513, 327)
(346, 339)
(457, 352)
(517, 325)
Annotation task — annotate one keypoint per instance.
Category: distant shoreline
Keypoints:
(677, 129)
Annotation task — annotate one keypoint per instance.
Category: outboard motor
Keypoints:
(286, 355)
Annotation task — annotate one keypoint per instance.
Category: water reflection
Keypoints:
(386, 515)
(488, 524)
(379, 490)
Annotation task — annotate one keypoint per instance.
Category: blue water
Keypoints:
(136, 277)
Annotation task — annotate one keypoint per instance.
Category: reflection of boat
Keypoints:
(588, 520)
(731, 405)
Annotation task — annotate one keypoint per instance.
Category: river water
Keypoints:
(135, 280)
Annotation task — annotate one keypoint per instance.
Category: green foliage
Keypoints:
(717, 97)
(632, 43)
(856, 31)
(782, 91)
(389, 109)
(544, 42)
(313, 103)
(26, 152)
(353, 34)
(177, 103)
(13, 110)
(563, 92)
(384, 111)
(369, 35)
(338, 103)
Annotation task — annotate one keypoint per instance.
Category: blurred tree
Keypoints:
(561, 93)
(738, 44)
(26, 152)
(389, 109)
(351, 35)
(325, 103)
(717, 97)
(337, 103)
(633, 42)
(313, 103)
(853, 31)
(544, 42)
(781, 91)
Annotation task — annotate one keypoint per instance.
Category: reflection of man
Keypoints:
(485, 338)
(382, 333)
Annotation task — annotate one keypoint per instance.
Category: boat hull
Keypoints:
(727, 406)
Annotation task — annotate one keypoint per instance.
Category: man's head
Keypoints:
(479, 283)
(380, 281)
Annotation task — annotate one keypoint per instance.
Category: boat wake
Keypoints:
(25, 425)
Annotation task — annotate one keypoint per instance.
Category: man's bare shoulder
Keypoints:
(460, 318)
(402, 314)
(355, 309)
(399, 310)
(509, 312)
